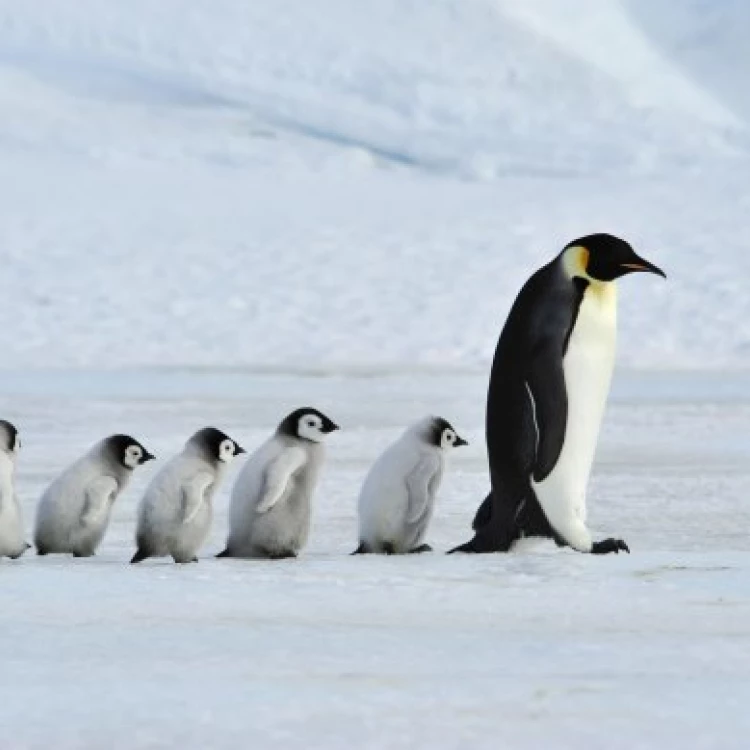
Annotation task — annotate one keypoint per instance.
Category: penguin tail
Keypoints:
(139, 556)
(225, 553)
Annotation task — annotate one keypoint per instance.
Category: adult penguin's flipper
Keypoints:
(548, 401)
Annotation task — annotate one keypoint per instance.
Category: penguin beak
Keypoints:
(637, 265)
(238, 449)
(459, 442)
(147, 457)
(330, 427)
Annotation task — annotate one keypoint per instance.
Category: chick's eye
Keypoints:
(310, 423)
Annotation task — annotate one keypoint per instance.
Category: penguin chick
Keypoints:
(175, 514)
(12, 542)
(269, 515)
(74, 511)
(398, 495)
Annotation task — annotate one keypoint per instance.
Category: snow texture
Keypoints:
(330, 184)
(217, 211)
(540, 648)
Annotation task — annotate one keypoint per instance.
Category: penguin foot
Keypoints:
(363, 549)
(139, 556)
(420, 549)
(605, 546)
(483, 544)
(281, 555)
(225, 553)
(40, 551)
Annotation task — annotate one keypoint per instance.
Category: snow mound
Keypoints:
(321, 184)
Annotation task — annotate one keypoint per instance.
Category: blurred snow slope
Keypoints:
(320, 184)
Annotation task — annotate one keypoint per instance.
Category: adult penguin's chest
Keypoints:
(587, 366)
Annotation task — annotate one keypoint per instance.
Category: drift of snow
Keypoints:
(335, 183)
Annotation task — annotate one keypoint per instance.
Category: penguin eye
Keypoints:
(310, 423)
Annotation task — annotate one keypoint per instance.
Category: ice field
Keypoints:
(650, 650)
(214, 212)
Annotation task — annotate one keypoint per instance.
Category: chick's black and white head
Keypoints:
(307, 424)
(442, 434)
(126, 451)
(10, 442)
(215, 445)
(604, 257)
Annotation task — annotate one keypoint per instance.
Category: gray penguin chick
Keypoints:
(398, 495)
(12, 541)
(269, 515)
(176, 511)
(73, 514)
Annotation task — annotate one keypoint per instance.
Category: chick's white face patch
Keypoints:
(448, 439)
(133, 456)
(310, 427)
(227, 450)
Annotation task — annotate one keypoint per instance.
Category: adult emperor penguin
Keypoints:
(269, 514)
(548, 389)
(398, 494)
(175, 514)
(74, 511)
(12, 541)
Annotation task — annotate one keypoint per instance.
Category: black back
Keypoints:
(528, 357)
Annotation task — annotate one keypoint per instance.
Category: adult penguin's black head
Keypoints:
(604, 257)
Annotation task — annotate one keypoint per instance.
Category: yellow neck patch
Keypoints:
(576, 261)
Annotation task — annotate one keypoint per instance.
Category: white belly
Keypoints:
(587, 366)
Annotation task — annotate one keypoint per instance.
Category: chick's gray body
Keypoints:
(74, 511)
(12, 541)
(290, 467)
(176, 512)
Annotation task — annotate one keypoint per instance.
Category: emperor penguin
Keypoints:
(548, 389)
(12, 541)
(269, 514)
(175, 514)
(73, 513)
(398, 495)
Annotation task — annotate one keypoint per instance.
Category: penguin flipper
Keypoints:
(548, 402)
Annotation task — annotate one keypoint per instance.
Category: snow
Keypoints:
(648, 650)
(333, 184)
(214, 212)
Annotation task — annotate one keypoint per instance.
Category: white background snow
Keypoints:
(213, 212)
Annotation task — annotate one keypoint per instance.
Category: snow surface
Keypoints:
(336, 184)
(216, 211)
(541, 648)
